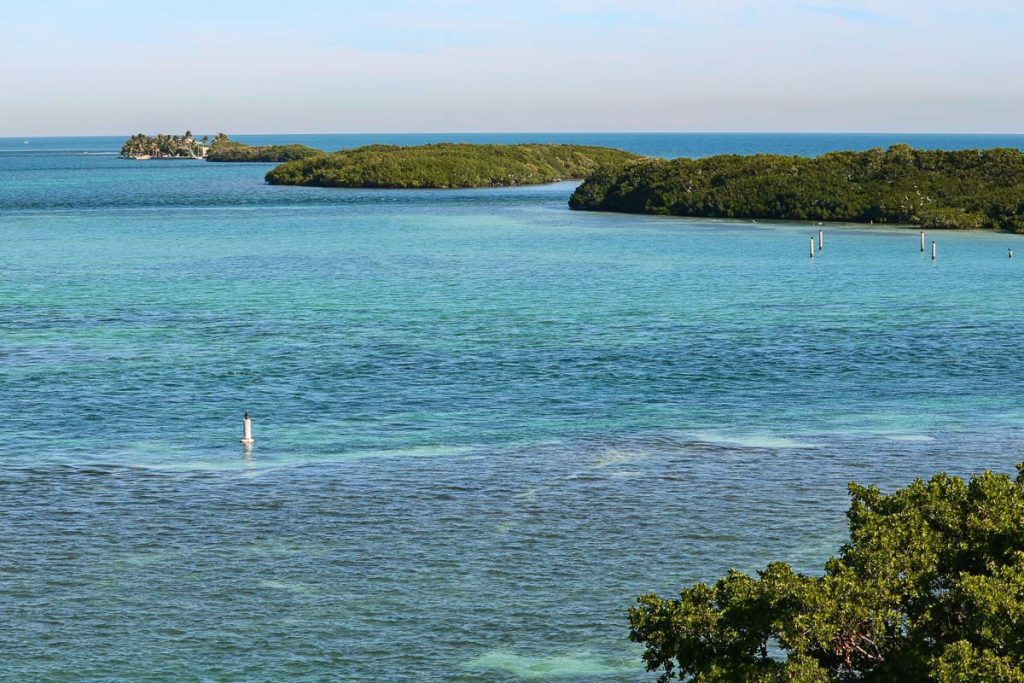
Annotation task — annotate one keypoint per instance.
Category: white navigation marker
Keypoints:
(247, 429)
(933, 250)
(812, 247)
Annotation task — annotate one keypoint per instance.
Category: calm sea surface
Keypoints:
(483, 423)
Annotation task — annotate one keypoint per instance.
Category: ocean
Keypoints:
(484, 423)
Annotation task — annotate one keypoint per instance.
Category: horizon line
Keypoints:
(546, 132)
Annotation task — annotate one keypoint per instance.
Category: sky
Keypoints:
(112, 67)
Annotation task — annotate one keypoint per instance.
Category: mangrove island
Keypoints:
(226, 149)
(967, 189)
(448, 165)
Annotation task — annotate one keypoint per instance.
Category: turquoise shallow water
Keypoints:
(484, 423)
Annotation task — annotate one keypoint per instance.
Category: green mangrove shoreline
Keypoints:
(971, 189)
(448, 165)
(901, 186)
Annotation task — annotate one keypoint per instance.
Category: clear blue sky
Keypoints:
(114, 67)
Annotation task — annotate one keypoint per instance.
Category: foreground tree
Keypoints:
(929, 588)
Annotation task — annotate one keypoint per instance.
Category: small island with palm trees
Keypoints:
(221, 148)
(141, 146)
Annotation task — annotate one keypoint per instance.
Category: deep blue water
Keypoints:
(484, 423)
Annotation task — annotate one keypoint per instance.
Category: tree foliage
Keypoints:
(222, 148)
(447, 165)
(930, 587)
(226, 149)
(141, 146)
(936, 189)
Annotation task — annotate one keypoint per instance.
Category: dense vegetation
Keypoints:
(142, 146)
(447, 165)
(221, 149)
(937, 189)
(930, 587)
(225, 149)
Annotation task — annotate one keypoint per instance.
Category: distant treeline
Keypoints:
(936, 189)
(225, 149)
(447, 165)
